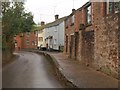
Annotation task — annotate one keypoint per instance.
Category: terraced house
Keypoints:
(54, 34)
(92, 36)
(41, 36)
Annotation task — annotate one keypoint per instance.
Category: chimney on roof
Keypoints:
(73, 10)
(56, 17)
(42, 23)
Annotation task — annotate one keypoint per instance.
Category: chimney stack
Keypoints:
(42, 23)
(56, 17)
(73, 10)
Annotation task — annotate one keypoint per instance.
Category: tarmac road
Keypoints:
(29, 70)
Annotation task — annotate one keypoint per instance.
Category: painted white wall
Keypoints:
(41, 33)
(61, 33)
(58, 36)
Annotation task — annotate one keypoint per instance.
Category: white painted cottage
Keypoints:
(54, 34)
(41, 36)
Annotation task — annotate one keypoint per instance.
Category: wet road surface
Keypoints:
(30, 70)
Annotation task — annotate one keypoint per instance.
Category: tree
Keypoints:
(14, 20)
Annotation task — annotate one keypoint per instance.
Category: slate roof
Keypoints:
(54, 23)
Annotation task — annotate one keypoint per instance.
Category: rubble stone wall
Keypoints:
(106, 44)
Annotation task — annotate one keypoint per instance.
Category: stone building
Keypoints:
(93, 39)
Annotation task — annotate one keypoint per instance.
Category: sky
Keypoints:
(45, 10)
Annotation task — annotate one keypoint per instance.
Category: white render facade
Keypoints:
(54, 36)
(41, 38)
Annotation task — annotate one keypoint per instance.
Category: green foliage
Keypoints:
(27, 22)
(14, 20)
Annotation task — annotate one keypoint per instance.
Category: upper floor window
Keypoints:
(72, 19)
(40, 39)
(113, 7)
(88, 16)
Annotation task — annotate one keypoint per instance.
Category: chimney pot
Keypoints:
(42, 23)
(73, 10)
(56, 17)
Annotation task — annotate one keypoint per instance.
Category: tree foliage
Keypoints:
(15, 20)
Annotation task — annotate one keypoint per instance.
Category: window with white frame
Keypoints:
(88, 16)
(40, 39)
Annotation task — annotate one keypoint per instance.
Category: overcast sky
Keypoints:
(44, 10)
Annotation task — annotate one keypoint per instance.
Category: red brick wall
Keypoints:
(21, 41)
(30, 38)
(18, 40)
(78, 19)
(69, 30)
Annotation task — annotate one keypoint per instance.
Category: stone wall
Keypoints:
(106, 44)
(6, 56)
(99, 42)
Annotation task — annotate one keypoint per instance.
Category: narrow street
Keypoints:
(30, 70)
